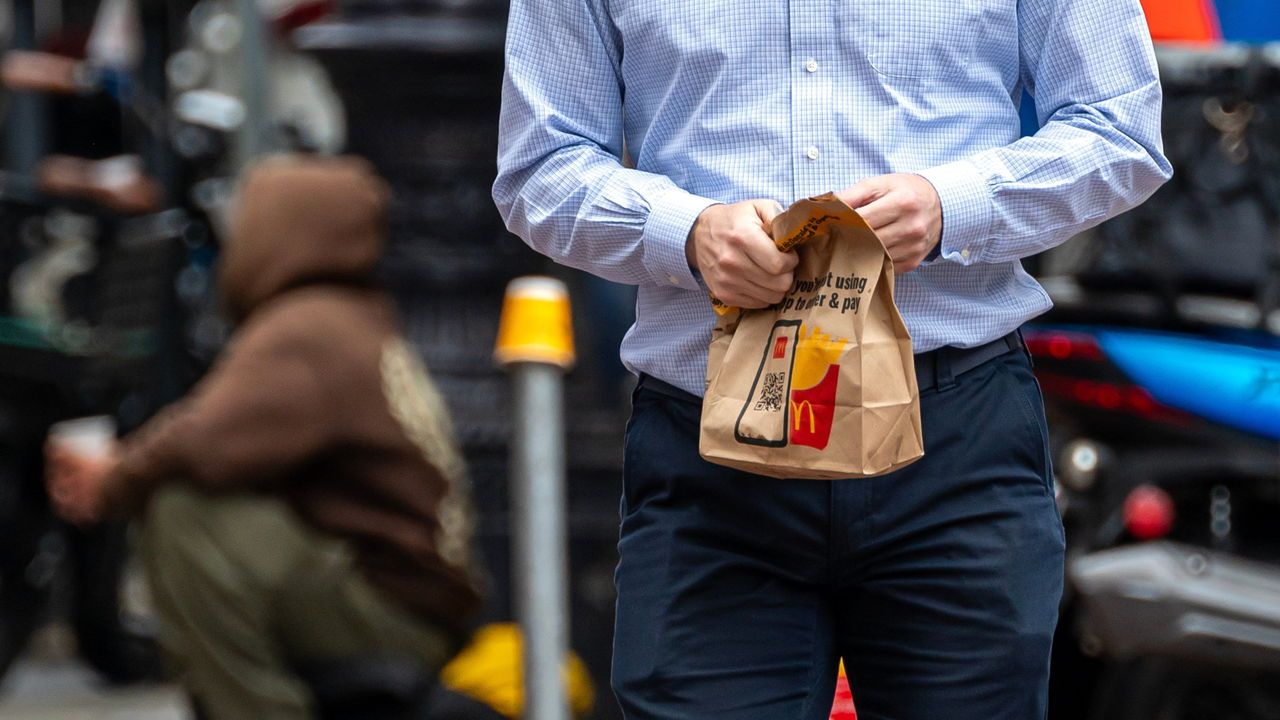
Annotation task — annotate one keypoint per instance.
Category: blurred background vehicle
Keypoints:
(1159, 366)
(125, 122)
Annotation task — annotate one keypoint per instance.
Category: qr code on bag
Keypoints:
(771, 392)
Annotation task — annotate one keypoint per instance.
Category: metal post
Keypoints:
(26, 132)
(535, 342)
(540, 531)
(255, 135)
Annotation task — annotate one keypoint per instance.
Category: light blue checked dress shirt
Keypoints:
(728, 100)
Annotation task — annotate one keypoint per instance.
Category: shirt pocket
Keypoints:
(918, 38)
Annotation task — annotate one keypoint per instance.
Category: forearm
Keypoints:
(1091, 69)
(259, 413)
(579, 206)
(561, 183)
(1079, 170)
(148, 458)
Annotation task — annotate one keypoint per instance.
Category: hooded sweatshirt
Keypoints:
(318, 398)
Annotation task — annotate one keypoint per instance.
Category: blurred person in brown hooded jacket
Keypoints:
(306, 502)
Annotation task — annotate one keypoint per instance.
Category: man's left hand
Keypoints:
(905, 212)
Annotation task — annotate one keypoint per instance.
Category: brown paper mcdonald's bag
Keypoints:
(823, 384)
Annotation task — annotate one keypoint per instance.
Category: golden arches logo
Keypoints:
(797, 410)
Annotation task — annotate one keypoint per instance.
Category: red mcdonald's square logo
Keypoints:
(780, 348)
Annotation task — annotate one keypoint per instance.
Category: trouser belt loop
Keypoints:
(1018, 342)
(943, 372)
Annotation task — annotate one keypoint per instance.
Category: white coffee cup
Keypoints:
(90, 437)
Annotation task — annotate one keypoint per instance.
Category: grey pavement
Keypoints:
(50, 683)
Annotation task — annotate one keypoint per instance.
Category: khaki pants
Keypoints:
(246, 591)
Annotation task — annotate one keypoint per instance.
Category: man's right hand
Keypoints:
(731, 247)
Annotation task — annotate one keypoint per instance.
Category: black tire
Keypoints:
(1148, 689)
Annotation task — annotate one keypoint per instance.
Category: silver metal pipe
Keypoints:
(25, 132)
(540, 532)
(255, 134)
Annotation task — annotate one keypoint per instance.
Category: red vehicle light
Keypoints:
(1114, 397)
(300, 14)
(1063, 345)
(1148, 512)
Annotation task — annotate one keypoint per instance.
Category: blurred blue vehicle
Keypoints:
(1167, 459)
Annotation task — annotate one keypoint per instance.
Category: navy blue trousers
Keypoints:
(937, 584)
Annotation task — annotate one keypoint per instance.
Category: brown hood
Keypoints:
(302, 220)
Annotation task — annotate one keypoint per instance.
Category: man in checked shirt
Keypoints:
(938, 584)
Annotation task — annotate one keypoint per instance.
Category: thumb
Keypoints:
(862, 193)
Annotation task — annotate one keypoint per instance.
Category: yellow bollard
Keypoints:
(535, 344)
(536, 325)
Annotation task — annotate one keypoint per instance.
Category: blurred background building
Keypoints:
(125, 122)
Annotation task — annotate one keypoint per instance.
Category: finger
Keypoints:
(62, 471)
(748, 295)
(87, 512)
(906, 263)
(786, 263)
(54, 452)
(859, 194)
(57, 490)
(767, 210)
(58, 485)
(909, 233)
(906, 254)
(773, 287)
(78, 509)
(760, 294)
(63, 499)
(761, 251)
(882, 212)
(762, 284)
(777, 284)
(747, 302)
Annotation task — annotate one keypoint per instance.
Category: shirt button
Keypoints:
(965, 253)
(811, 65)
(674, 280)
(812, 152)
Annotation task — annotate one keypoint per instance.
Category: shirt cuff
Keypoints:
(671, 217)
(967, 210)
